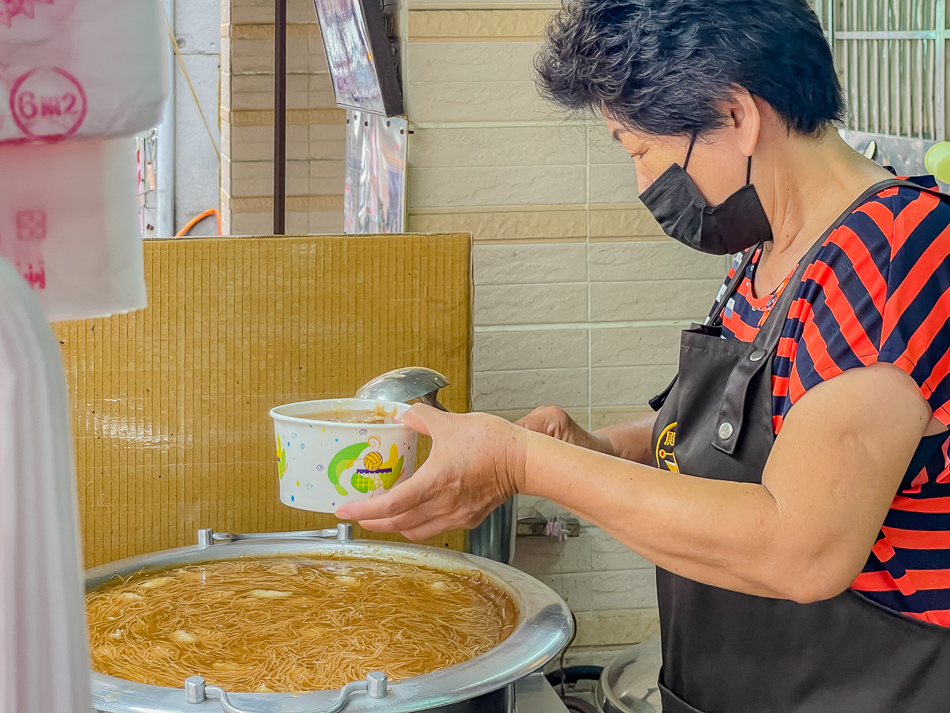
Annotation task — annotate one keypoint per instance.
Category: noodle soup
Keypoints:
(293, 624)
(338, 451)
(376, 416)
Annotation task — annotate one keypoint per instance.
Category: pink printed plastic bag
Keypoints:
(80, 68)
(68, 224)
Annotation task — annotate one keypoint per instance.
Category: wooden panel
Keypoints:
(171, 403)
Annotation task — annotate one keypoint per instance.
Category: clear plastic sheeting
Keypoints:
(374, 195)
(44, 660)
(359, 37)
(347, 43)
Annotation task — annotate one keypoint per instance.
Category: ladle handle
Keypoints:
(341, 533)
(431, 400)
(375, 686)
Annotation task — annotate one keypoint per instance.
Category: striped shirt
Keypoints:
(878, 291)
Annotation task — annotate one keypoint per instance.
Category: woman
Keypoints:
(794, 488)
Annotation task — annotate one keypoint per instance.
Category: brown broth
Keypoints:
(379, 416)
(293, 624)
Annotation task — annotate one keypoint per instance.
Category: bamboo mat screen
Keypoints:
(171, 403)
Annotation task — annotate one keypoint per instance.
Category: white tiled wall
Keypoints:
(315, 130)
(610, 589)
(579, 297)
(587, 325)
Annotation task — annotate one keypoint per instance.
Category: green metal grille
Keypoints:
(891, 57)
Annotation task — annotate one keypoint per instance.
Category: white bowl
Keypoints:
(325, 464)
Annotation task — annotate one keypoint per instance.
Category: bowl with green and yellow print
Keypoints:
(336, 451)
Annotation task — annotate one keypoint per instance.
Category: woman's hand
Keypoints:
(555, 422)
(476, 464)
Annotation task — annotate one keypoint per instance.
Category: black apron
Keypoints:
(725, 652)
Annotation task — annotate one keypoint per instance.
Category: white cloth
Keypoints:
(44, 659)
(69, 223)
(83, 68)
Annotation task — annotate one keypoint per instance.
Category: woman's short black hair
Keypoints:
(664, 66)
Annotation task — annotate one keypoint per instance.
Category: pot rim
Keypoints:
(544, 628)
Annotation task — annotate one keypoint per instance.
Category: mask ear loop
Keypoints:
(689, 152)
(748, 173)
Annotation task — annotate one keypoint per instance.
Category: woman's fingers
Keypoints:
(549, 420)
(462, 480)
(538, 420)
(428, 516)
(424, 532)
(426, 521)
(405, 496)
(421, 419)
(416, 534)
(408, 524)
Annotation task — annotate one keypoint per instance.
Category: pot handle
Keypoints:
(376, 686)
(341, 533)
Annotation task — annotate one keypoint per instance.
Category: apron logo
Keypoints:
(665, 458)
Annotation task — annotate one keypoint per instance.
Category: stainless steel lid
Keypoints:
(629, 683)
(543, 630)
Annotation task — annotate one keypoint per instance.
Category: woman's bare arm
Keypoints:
(803, 534)
(632, 440)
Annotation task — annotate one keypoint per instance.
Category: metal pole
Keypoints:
(940, 71)
(165, 178)
(280, 116)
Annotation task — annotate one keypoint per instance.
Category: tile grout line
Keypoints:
(595, 282)
(563, 326)
(489, 124)
(590, 341)
(516, 207)
(544, 369)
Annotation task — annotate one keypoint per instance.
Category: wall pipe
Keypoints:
(165, 202)
(280, 116)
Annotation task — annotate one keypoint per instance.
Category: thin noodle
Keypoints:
(291, 625)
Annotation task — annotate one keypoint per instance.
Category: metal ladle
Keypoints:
(411, 383)
(495, 537)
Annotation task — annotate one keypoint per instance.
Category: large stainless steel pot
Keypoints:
(484, 684)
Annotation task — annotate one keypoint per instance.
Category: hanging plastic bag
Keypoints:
(80, 68)
(68, 223)
(44, 658)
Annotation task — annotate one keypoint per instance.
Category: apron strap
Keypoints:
(656, 403)
(762, 350)
(733, 285)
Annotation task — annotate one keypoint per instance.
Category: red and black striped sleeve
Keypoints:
(880, 292)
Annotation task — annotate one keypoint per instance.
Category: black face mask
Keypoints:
(680, 209)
